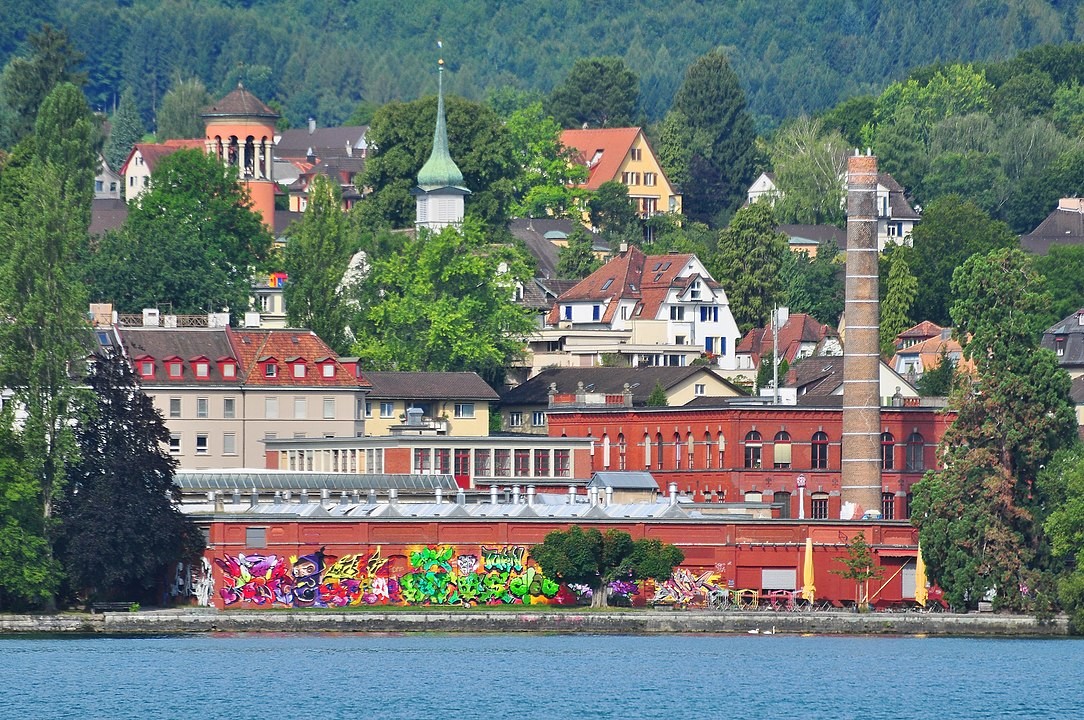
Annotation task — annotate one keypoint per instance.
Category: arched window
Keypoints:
(658, 450)
(250, 157)
(722, 451)
(781, 450)
(818, 506)
(818, 451)
(232, 151)
(218, 147)
(677, 451)
(753, 446)
(606, 451)
(915, 446)
(621, 447)
(888, 506)
(690, 448)
(708, 450)
(782, 499)
(647, 451)
(888, 448)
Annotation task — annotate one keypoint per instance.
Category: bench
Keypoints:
(101, 607)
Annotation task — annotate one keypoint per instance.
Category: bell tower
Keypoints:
(240, 131)
(438, 198)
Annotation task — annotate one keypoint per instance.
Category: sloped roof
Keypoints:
(1061, 227)
(107, 214)
(239, 103)
(641, 380)
(809, 234)
(800, 328)
(1071, 332)
(924, 330)
(539, 293)
(154, 152)
(535, 234)
(249, 346)
(815, 376)
(429, 386)
(602, 150)
(624, 481)
(326, 143)
(185, 343)
(897, 200)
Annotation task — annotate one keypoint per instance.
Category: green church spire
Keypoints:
(440, 170)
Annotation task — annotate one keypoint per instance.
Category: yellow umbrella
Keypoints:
(809, 590)
(922, 594)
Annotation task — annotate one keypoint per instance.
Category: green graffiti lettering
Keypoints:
(505, 558)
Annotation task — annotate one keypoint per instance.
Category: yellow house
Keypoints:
(443, 403)
(625, 156)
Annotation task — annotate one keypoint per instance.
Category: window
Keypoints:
(568, 312)
(271, 408)
(679, 340)
(203, 406)
(523, 463)
(502, 462)
(515, 419)
(229, 370)
(482, 462)
(368, 408)
(461, 466)
(818, 506)
(636, 154)
(915, 460)
(175, 368)
(887, 448)
(203, 370)
(329, 408)
(677, 312)
(781, 451)
(201, 443)
(442, 461)
(464, 410)
(888, 506)
(622, 447)
(606, 285)
(299, 369)
(113, 186)
(387, 409)
(270, 370)
(658, 450)
(782, 499)
(255, 537)
(99, 185)
(421, 461)
(818, 452)
(174, 407)
(542, 463)
(301, 408)
(630, 178)
(229, 408)
(709, 313)
(146, 368)
(596, 312)
(328, 370)
(174, 444)
(538, 418)
(229, 444)
(650, 179)
(562, 466)
(753, 448)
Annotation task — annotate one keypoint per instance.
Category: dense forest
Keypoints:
(322, 58)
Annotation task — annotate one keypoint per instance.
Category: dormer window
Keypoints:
(228, 368)
(145, 367)
(299, 368)
(328, 370)
(694, 291)
(1059, 345)
(175, 369)
(270, 370)
(202, 369)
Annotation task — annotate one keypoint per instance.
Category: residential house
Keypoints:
(1063, 226)
(526, 407)
(800, 335)
(638, 310)
(896, 218)
(338, 153)
(809, 238)
(624, 155)
(920, 348)
(446, 403)
(108, 183)
(339, 171)
(223, 392)
(544, 238)
(330, 142)
(1066, 339)
(143, 158)
(819, 380)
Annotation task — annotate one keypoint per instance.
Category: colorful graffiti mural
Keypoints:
(425, 575)
(685, 589)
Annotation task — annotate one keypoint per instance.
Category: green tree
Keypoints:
(658, 397)
(809, 163)
(937, 381)
(577, 259)
(852, 118)
(27, 81)
(191, 241)
(719, 134)
(401, 139)
(952, 230)
(179, 115)
(611, 211)
(1063, 269)
(860, 566)
(443, 302)
(589, 557)
(66, 138)
(318, 251)
(548, 170)
(597, 92)
(126, 129)
(978, 518)
(900, 292)
(1062, 483)
(44, 304)
(949, 91)
(751, 256)
(121, 525)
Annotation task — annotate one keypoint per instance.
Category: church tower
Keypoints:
(240, 131)
(440, 191)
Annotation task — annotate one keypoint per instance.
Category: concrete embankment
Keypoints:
(637, 622)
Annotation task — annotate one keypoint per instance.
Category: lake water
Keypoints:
(327, 677)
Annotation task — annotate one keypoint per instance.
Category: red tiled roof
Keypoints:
(602, 150)
(799, 329)
(153, 152)
(924, 329)
(252, 346)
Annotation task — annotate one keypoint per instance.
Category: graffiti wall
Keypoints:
(423, 575)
